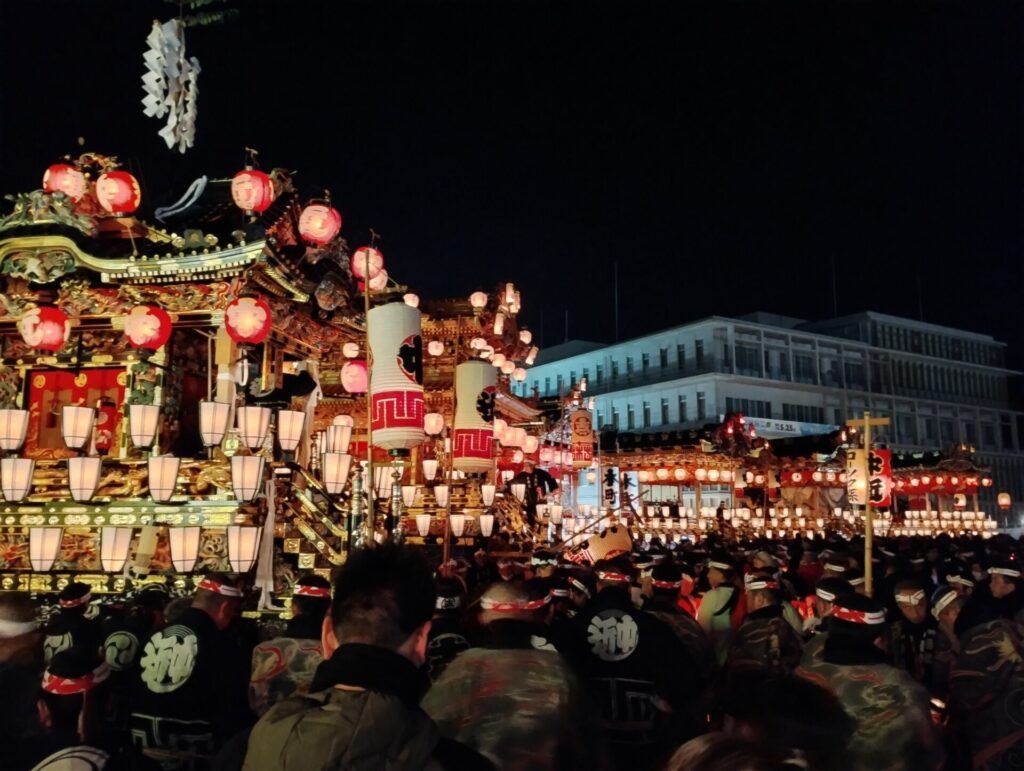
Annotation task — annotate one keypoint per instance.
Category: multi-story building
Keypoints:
(939, 386)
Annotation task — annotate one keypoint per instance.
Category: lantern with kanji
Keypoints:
(247, 320)
(44, 328)
(354, 376)
(66, 179)
(367, 259)
(396, 378)
(147, 326)
(319, 224)
(118, 192)
(252, 191)
(473, 438)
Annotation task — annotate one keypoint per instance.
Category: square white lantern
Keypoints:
(458, 524)
(84, 477)
(408, 495)
(519, 491)
(163, 477)
(338, 438)
(555, 512)
(253, 423)
(13, 425)
(429, 469)
(289, 428)
(487, 494)
(76, 425)
(441, 495)
(43, 547)
(243, 547)
(16, 478)
(335, 468)
(246, 476)
(142, 421)
(423, 524)
(115, 542)
(486, 525)
(184, 543)
(213, 422)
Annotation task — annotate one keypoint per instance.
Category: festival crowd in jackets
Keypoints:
(717, 655)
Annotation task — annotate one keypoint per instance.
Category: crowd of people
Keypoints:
(711, 656)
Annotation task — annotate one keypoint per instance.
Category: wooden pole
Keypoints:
(869, 527)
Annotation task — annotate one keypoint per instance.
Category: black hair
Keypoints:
(311, 607)
(666, 571)
(381, 596)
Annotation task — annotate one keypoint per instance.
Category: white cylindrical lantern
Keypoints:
(44, 547)
(409, 495)
(396, 378)
(433, 423)
(253, 423)
(423, 524)
(13, 425)
(519, 491)
(441, 495)
(429, 469)
(84, 477)
(142, 421)
(246, 476)
(335, 469)
(213, 422)
(487, 494)
(115, 542)
(289, 428)
(555, 513)
(486, 525)
(243, 547)
(475, 387)
(163, 477)
(338, 438)
(76, 425)
(16, 478)
(184, 543)
(458, 524)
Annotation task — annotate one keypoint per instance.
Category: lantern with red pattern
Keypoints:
(118, 192)
(252, 191)
(66, 179)
(396, 379)
(319, 223)
(247, 320)
(367, 259)
(147, 326)
(44, 328)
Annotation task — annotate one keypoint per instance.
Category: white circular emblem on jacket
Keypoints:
(120, 649)
(54, 644)
(613, 635)
(168, 659)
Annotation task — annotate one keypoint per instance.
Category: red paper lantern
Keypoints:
(118, 192)
(147, 326)
(44, 328)
(366, 257)
(247, 320)
(62, 178)
(354, 377)
(252, 190)
(319, 224)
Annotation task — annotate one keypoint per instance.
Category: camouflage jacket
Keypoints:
(913, 648)
(765, 640)
(947, 648)
(282, 667)
(986, 692)
(814, 648)
(894, 730)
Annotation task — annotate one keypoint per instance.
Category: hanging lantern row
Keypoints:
(940, 483)
(683, 475)
(116, 192)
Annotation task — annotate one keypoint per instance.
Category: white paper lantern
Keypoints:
(213, 422)
(43, 547)
(458, 524)
(246, 476)
(435, 347)
(184, 543)
(423, 524)
(84, 477)
(243, 547)
(396, 378)
(163, 476)
(335, 468)
(115, 543)
(16, 478)
(486, 525)
(475, 390)
(289, 428)
(441, 495)
(13, 425)
(76, 425)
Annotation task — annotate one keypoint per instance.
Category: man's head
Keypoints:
(528, 465)
(666, 580)
(855, 578)
(1004, 577)
(515, 601)
(911, 600)
(451, 594)
(721, 569)
(581, 588)
(311, 597)
(66, 699)
(826, 592)
(617, 573)
(74, 598)
(543, 563)
(506, 569)
(762, 590)
(961, 581)
(946, 604)
(762, 560)
(857, 622)
(220, 597)
(384, 597)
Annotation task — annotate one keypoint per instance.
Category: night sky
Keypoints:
(725, 155)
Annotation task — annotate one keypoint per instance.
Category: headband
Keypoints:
(762, 583)
(447, 603)
(957, 579)
(218, 588)
(83, 600)
(917, 560)
(858, 581)
(10, 629)
(910, 599)
(559, 592)
(1011, 572)
(543, 561)
(606, 575)
(888, 553)
(720, 565)
(825, 595)
(69, 686)
(658, 584)
(944, 602)
(320, 592)
(511, 607)
(835, 567)
(580, 587)
(858, 616)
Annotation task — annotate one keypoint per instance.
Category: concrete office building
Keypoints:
(938, 385)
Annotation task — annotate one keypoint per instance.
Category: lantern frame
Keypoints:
(334, 470)
(143, 421)
(16, 478)
(115, 545)
(84, 476)
(76, 424)
(44, 547)
(13, 427)
(184, 546)
(163, 476)
(247, 476)
(243, 547)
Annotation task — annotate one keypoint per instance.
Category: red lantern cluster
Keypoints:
(147, 326)
(45, 328)
(252, 191)
(66, 179)
(118, 192)
(247, 320)
(319, 224)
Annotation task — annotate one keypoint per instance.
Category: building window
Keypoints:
(804, 366)
(683, 417)
(803, 413)
(629, 365)
(680, 356)
(547, 386)
(572, 378)
(664, 412)
(905, 428)
(647, 414)
(645, 361)
(930, 434)
(988, 436)
(947, 432)
(615, 369)
(615, 418)
(746, 360)
(586, 373)
(559, 382)
(701, 406)
(600, 420)
(754, 408)
(630, 418)
(599, 372)
(663, 358)
(699, 353)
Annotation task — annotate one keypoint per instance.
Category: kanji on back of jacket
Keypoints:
(222, 384)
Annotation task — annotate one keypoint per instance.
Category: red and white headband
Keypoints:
(77, 601)
(1011, 572)
(944, 602)
(580, 587)
(69, 686)
(320, 592)
(762, 583)
(910, 599)
(559, 592)
(513, 607)
(658, 584)
(609, 576)
(218, 588)
(871, 617)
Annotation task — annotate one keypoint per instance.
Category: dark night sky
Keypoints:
(722, 153)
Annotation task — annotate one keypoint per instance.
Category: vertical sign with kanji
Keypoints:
(582, 439)
(856, 477)
(880, 477)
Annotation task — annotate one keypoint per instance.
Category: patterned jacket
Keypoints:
(764, 641)
(280, 668)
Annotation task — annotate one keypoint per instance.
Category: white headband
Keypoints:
(910, 599)
(1011, 572)
(943, 603)
(9, 629)
(856, 581)
(955, 579)
(720, 565)
(835, 567)
(824, 594)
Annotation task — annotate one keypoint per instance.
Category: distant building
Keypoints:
(938, 385)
